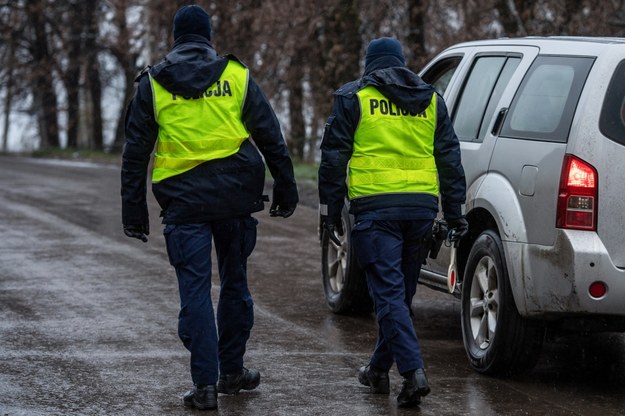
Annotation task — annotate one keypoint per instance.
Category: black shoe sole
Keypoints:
(205, 406)
(192, 404)
(223, 390)
(412, 402)
(383, 387)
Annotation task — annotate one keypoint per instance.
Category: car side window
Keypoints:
(482, 90)
(544, 106)
(506, 73)
(612, 119)
(440, 74)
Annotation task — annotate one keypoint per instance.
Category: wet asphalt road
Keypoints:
(88, 322)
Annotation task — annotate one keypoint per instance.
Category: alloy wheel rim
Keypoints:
(484, 303)
(337, 264)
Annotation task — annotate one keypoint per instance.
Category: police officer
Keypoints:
(201, 110)
(390, 134)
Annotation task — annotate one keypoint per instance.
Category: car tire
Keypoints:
(344, 282)
(497, 339)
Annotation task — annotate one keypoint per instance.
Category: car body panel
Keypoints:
(607, 156)
(476, 153)
(516, 182)
(554, 280)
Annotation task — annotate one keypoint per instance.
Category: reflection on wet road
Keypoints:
(88, 322)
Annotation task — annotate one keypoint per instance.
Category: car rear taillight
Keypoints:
(577, 199)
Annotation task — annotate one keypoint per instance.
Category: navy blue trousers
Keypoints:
(389, 251)
(215, 347)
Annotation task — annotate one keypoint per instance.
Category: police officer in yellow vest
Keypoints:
(203, 111)
(387, 140)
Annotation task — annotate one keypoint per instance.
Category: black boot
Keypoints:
(201, 397)
(414, 387)
(377, 380)
(233, 383)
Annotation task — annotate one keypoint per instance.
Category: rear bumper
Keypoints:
(553, 281)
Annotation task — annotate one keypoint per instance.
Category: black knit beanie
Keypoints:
(384, 47)
(192, 20)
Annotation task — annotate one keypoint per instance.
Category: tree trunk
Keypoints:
(95, 89)
(335, 58)
(297, 140)
(72, 75)
(42, 87)
(92, 75)
(127, 58)
(129, 88)
(415, 41)
(510, 18)
(8, 99)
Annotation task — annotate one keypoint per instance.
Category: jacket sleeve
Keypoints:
(336, 150)
(449, 165)
(141, 131)
(262, 123)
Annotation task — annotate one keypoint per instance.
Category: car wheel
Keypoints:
(497, 340)
(344, 281)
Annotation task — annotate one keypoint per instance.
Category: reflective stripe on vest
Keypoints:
(393, 149)
(193, 130)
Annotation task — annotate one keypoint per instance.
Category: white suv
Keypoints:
(541, 123)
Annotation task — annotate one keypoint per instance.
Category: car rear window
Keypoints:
(612, 119)
(545, 103)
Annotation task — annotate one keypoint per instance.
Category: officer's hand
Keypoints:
(139, 231)
(334, 230)
(282, 210)
(458, 228)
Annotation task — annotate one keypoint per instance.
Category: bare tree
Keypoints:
(42, 87)
(510, 18)
(9, 27)
(124, 45)
(616, 19)
(334, 58)
(299, 51)
(157, 19)
(91, 14)
(66, 31)
(415, 39)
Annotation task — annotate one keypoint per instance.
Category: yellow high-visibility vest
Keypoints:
(193, 130)
(393, 149)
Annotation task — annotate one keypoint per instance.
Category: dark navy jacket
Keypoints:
(405, 89)
(217, 189)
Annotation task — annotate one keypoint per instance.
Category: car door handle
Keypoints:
(499, 121)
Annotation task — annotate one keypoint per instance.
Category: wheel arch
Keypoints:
(479, 220)
(499, 198)
(495, 205)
